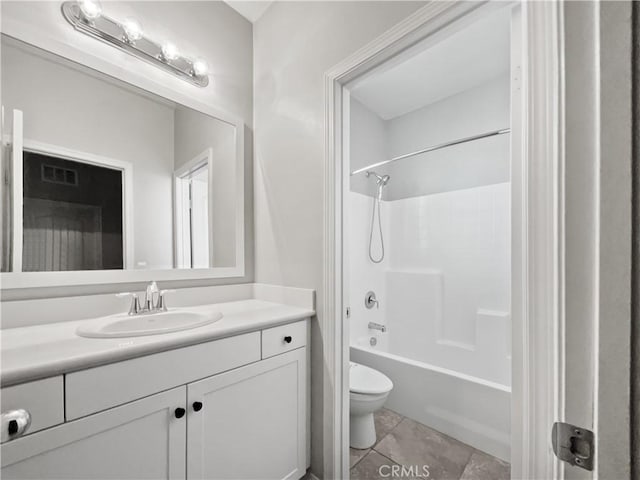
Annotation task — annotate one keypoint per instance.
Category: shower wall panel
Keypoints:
(444, 288)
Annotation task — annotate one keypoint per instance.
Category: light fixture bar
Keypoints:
(113, 32)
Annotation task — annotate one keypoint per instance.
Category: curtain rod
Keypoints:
(433, 148)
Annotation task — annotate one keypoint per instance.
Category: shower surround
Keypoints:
(444, 292)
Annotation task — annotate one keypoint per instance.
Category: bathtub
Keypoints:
(468, 408)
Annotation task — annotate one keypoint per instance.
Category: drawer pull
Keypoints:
(287, 339)
(180, 412)
(15, 423)
(197, 406)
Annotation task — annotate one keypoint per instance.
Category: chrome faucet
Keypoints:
(152, 289)
(149, 305)
(377, 326)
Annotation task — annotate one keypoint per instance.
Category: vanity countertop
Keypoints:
(40, 351)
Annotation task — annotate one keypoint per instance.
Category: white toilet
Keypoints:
(368, 390)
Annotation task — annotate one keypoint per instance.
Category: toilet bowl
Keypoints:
(368, 390)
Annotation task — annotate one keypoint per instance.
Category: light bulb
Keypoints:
(200, 67)
(170, 51)
(132, 29)
(91, 9)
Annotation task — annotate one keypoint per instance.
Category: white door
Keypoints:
(142, 440)
(250, 423)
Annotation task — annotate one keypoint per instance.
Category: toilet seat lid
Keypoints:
(363, 379)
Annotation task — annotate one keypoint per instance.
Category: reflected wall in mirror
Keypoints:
(113, 177)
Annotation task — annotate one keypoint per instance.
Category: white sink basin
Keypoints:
(123, 325)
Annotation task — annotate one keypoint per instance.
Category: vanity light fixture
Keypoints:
(91, 9)
(87, 17)
(200, 66)
(170, 51)
(132, 30)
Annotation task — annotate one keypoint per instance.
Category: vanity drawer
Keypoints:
(281, 339)
(43, 399)
(100, 388)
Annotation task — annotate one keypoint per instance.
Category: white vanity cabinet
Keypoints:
(261, 408)
(244, 421)
(141, 439)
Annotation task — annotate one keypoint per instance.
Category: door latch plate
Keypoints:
(574, 445)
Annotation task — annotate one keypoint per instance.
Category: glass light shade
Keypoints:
(132, 29)
(170, 51)
(200, 67)
(91, 9)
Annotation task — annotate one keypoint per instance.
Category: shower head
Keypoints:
(381, 180)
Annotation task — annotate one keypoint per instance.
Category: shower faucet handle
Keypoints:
(370, 300)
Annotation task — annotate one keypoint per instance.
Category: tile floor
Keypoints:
(403, 442)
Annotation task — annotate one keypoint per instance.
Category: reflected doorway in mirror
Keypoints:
(72, 211)
(193, 212)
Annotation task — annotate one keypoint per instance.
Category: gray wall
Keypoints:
(368, 144)
(483, 108)
(212, 30)
(295, 44)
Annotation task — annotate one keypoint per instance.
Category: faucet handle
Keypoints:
(135, 302)
(161, 304)
(370, 300)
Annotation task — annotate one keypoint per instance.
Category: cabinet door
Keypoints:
(252, 421)
(143, 439)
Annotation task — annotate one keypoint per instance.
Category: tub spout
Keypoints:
(377, 326)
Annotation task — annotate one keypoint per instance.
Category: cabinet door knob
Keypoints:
(287, 339)
(180, 412)
(14, 423)
(197, 406)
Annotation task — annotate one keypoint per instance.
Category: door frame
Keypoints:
(203, 158)
(537, 242)
(64, 153)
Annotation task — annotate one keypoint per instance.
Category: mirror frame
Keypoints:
(26, 33)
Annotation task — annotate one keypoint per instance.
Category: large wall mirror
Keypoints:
(102, 176)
